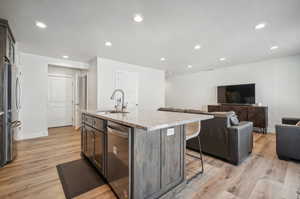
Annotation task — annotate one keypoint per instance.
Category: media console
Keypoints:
(256, 114)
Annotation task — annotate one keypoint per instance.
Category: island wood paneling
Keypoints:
(33, 174)
(147, 173)
(172, 157)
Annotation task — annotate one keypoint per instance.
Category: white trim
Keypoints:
(59, 75)
(29, 135)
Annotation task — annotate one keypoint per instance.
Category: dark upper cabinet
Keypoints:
(7, 47)
(10, 48)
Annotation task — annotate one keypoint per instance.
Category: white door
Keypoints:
(60, 100)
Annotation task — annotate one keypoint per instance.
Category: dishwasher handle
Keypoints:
(116, 132)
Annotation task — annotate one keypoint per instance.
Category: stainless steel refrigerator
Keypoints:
(9, 95)
(10, 107)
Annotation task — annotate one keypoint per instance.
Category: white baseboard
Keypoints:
(27, 135)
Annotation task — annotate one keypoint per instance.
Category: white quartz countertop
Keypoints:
(150, 120)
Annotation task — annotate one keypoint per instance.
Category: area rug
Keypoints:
(78, 177)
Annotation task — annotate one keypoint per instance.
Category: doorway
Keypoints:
(60, 100)
(66, 96)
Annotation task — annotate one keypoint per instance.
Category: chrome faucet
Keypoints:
(123, 98)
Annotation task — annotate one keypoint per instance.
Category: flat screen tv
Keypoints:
(236, 94)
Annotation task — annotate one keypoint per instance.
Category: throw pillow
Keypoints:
(234, 120)
(298, 124)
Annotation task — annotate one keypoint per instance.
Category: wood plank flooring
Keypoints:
(33, 174)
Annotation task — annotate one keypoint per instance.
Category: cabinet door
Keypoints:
(259, 116)
(10, 48)
(83, 140)
(99, 156)
(90, 142)
(214, 108)
(172, 156)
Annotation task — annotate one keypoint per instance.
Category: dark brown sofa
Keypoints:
(221, 139)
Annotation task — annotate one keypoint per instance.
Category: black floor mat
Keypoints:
(78, 177)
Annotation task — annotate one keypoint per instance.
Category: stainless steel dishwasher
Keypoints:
(118, 159)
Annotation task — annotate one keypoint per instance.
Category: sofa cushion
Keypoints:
(298, 124)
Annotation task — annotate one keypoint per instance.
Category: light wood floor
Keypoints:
(33, 174)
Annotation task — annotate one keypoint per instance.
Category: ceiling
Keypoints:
(171, 29)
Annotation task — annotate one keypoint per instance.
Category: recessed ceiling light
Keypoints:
(222, 59)
(65, 56)
(260, 26)
(162, 59)
(138, 18)
(108, 43)
(197, 47)
(190, 66)
(274, 47)
(40, 24)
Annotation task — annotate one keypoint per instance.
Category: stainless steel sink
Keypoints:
(112, 111)
(115, 111)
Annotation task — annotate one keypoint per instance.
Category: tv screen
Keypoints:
(236, 94)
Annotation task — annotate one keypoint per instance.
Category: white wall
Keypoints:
(33, 112)
(92, 84)
(151, 84)
(277, 86)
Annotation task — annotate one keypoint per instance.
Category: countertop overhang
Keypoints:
(150, 120)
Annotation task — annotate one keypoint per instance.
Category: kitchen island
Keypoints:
(141, 153)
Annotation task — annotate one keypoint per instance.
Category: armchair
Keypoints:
(288, 139)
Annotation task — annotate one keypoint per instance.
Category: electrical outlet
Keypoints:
(170, 132)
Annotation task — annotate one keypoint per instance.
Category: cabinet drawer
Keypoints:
(99, 124)
(94, 122)
(212, 108)
(89, 120)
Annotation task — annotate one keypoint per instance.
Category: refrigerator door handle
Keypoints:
(17, 93)
(17, 124)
